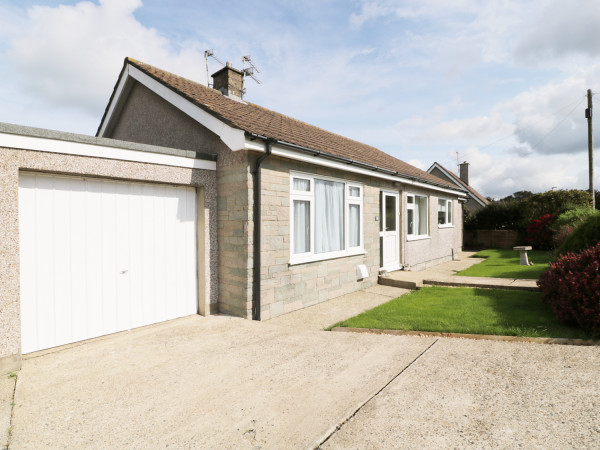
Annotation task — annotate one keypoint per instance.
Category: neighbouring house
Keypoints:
(475, 201)
(192, 200)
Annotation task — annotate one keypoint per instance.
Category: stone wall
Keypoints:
(286, 287)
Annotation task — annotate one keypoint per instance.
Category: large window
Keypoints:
(416, 216)
(326, 218)
(444, 212)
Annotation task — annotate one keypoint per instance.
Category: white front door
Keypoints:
(100, 256)
(390, 231)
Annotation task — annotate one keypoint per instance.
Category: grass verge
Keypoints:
(505, 263)
(467, 310)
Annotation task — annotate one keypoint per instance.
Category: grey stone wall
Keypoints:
(285, 287)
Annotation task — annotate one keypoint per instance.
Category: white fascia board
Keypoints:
(100, 151)
(234, 138)
(452, 177)
(324, 162)
(115, 100)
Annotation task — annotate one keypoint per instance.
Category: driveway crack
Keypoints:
(12, 411)
(347, 419)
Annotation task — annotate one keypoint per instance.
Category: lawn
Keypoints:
(467, 310)
(505, 263)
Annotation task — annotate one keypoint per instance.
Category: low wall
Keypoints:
(490, 238)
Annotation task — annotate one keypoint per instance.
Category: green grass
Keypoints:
(467, 310)
(505, 263)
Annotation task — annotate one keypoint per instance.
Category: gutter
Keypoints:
(352, 162)
(257, 234)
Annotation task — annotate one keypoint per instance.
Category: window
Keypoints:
(326, 218)
(416, 216)
(444, 212)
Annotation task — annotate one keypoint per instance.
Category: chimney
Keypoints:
(464, 172)
(229, 82)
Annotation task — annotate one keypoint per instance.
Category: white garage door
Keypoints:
(101, 256)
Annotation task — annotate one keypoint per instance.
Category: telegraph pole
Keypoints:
(588, 116)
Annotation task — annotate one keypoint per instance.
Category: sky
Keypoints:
(500, 84)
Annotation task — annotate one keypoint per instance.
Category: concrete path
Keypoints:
(223, 382)
(445, 275)
(483, 394)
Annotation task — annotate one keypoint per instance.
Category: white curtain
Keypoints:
(354, 226)
(301, 226)
(329, 216)
(300, 184)
(421, 204)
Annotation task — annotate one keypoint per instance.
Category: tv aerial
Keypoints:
(210, 54)
(251, 69)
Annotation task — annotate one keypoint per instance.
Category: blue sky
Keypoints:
(501, 83)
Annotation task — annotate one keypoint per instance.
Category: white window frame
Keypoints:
(310, 256)
(447, 223)
(411, 206)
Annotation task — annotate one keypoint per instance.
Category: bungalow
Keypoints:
(475, 201)
(192, 200)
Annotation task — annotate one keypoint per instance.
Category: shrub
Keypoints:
(496, 216)
(518, 211)
(539, 233)
(568, 221)
(574, 216)
(561, 235)
(553, 202)
(586, 234)
(571, 287)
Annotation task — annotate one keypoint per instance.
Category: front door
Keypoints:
(389, 232)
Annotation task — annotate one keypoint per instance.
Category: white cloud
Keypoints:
(70, 56)
(562, 28)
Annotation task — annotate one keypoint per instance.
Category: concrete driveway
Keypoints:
(222, 382)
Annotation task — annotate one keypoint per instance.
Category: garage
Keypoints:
(98, 256)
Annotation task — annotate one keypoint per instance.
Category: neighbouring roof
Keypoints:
(257, 120)
(461, 183)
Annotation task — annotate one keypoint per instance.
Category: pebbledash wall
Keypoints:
(286, 287)
(14, 160)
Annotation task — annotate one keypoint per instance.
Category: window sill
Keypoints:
(445, 226)
(322, 257)
(418, 238)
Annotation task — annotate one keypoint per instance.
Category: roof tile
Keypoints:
(258, 120)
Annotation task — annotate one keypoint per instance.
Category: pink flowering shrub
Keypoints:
(571, 287)
(539, 233)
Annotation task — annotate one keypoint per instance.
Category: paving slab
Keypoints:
(483, 282)
(484, 394)
(217, 382)
(323, 315)
(445, 275)
(7, 388)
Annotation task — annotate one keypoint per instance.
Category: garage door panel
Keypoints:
(44, 261)
(122, 237)
(61, 264)
(100, 256)
(27, 252)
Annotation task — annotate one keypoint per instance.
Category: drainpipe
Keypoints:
(257, 235)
